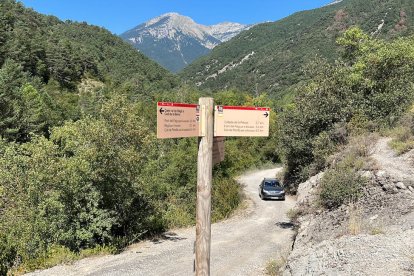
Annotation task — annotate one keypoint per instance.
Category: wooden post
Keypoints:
(204, 179)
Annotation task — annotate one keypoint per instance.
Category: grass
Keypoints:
(355, 220)
(57, 254)
(275, 267)
(377, 231)
(403, 135)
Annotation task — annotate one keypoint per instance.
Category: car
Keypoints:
(271, 188)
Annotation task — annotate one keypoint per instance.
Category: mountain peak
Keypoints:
(179, 35)
(171, 17)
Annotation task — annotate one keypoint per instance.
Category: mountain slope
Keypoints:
(269, 57)
(174, 41)
(69, 67)
(66, 52)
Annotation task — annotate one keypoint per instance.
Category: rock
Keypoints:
(411, 189)
(367, 174)
(387, 187)
(400, 186)
(381, 174)
(373, 217)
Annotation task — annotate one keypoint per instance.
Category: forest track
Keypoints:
(241, 245)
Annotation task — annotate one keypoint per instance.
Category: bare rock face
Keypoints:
(356, 255)
(374, 236)
(307, 190)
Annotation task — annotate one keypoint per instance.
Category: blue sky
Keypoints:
(121, 15)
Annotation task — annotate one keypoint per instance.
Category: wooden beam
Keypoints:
(204, 180)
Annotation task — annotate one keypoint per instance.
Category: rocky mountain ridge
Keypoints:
(174, 40)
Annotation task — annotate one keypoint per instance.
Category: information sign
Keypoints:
(176, 120)
(241, 121)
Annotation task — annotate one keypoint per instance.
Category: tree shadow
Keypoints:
(285, 225)
(167, 236)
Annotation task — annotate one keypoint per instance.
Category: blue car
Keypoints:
(271, 188)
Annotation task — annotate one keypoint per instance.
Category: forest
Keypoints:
(81, 170)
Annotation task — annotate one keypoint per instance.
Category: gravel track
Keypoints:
(241, 245)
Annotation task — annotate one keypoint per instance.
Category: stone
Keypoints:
(411, 189)
(373, 217)
(367, 174)
(381, 174)
(387, 187)
(400, 186)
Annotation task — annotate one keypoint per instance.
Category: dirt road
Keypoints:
(241, 245)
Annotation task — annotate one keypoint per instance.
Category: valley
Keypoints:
(90, 185)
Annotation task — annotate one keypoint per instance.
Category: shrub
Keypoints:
(275, 267)
(403, 135)
(339, 186)
(370, 89)
(226, 196)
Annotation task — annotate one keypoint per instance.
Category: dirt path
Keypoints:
(398, 167)
(241, 245)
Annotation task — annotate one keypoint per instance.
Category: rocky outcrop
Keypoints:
(374, 236)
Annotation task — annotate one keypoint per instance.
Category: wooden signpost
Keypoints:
(211, 125)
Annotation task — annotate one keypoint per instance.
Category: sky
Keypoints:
(119, 16)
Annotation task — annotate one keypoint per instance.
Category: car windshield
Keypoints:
(271, 183)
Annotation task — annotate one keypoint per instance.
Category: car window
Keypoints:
(272, 183)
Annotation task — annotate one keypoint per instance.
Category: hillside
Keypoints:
(380, 223)
(270, 57)
(174, 40)
(68, 52)
(70, 65)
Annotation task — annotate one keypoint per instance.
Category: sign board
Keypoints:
(241, 121)
(176, 120)
(218, 150)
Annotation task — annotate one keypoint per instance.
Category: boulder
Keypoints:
(400, 186)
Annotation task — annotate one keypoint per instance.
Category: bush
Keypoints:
(226, 196)
(403, 135)
(339, 186)
(370, 89)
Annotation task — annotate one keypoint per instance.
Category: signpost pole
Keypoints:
(204, 179)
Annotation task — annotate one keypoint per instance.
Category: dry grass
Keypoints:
(377, 231)
(403, 134)
(276, 266)
(355, 219)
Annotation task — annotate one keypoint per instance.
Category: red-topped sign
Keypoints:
(176, 120)
(241, 121)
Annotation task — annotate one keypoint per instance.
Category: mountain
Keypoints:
(269, 57)
(72, 66)
(174, 41)
(68, 52)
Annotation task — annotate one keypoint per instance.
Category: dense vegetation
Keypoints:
(81, 169)
(369, 89)
(44, 58)
(282, 47)
(80, 166)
